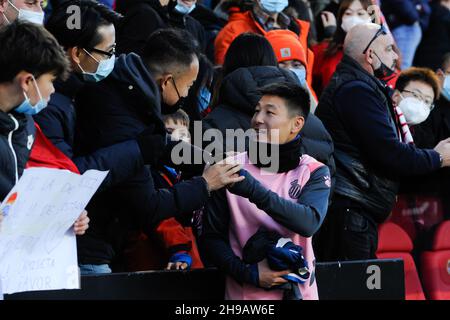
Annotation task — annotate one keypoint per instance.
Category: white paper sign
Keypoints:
(37, 243)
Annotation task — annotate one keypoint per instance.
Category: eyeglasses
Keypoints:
(427, 101)
(109, 53)
(381, 31)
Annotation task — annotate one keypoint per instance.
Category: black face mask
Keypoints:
(383, 71)
(166, 109)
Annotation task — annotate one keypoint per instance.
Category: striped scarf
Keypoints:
(405, 132)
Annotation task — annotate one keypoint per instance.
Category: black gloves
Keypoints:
(156, 149)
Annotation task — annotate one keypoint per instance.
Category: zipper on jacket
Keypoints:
(16, 126)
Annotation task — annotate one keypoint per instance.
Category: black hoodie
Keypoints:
(116, 109)
(16, 139)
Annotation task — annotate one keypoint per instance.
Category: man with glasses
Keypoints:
(415, 92)
(370, 152)
(436, 128)
(437, 125)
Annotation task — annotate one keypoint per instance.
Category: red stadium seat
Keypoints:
(417, 213)
(394, 243)
(436, 265)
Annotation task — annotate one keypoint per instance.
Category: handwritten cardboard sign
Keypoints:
(37, 243)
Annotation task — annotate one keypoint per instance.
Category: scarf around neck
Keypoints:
(287, 154)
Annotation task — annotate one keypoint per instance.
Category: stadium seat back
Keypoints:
(394, 243)
(436, 265)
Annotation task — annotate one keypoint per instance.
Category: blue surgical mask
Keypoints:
(274, 6)
(105, 67)
(300, 74)
(183, 9)
(204, 99)
(446, 88)
(28, 15)
(27, 108)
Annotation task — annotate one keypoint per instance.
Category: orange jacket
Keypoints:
(241, 22)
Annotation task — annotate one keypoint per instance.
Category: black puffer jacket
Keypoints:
(16, 139)
(143, 17)
(117, 109)
(58, 122)
(238, 99)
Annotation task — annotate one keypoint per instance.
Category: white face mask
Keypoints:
(28, 15)
(350, 22)
(414, 110)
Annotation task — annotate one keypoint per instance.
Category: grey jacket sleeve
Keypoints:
(304, 216)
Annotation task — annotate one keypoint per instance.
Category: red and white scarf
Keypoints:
(406, 136)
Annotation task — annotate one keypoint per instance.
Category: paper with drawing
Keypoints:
(37, 243)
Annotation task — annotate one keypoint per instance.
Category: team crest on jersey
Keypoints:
(295, 190)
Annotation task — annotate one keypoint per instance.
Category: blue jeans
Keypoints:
(94, 269)
(407, 38)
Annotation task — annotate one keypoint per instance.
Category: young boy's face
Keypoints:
(273, 121)
(34, 88)
(46, 88)
(178, 130)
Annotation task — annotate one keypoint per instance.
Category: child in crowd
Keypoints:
(173, 244)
